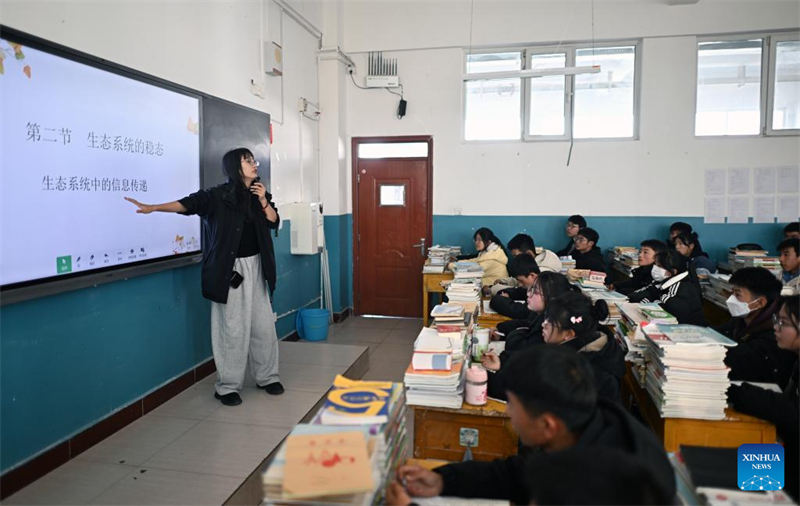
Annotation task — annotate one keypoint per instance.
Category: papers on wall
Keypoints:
(764, 207)
(715, 181)
(739, 181)
(788, 179)
(764, 180)
(738, 209)
(788, 206)
(714, 210)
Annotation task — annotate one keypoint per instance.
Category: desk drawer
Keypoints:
(437, 435)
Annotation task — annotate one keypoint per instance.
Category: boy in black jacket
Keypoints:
(574, 224)
(753, 304)
(524, 269)
(553, 406)
(587, 254)
(640, 276)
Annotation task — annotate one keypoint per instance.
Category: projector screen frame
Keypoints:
(27, 290)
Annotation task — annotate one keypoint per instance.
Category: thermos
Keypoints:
(477, 386)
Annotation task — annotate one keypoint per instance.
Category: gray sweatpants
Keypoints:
(243, 331)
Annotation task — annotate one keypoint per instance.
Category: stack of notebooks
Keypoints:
(625, 258)
(719, 289)
(738, 259)
(435, 376)
(448, 314)
(628, 332)
(439, 257)
(460, 290)
(611, 297)
(348, 453)
(567, 264)
(686, 373)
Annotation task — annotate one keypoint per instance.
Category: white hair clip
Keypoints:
(575, 319)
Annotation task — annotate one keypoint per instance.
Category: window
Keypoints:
(393, 150)
(748, 86)
(492, 106)
(392, 195)
(729, 88)
(602, 106)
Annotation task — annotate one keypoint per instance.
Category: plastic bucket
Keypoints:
(312, 324)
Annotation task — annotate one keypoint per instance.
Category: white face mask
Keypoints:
(736, 307)
(658, 273)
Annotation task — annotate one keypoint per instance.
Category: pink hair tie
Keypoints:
(575, 319)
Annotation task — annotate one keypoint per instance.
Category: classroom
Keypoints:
(400, 252)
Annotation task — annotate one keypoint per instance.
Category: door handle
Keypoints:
(421, 246)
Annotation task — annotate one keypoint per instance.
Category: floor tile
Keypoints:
(327, 353)
(362, 334)
(386, 370)
(403, 336)
(310, 379)
(393, 353)
(195, 403)
(139, 441)
(163, 486)
(224, 449)
(76, 482)
(372, 323)
(260, 408)
(407, 324)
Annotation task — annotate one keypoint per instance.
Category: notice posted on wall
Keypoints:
(76, 140)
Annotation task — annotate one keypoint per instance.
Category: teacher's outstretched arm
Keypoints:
(169, 207)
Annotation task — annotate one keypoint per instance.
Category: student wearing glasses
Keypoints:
(574, 224)
(587, 254)
(238, 273)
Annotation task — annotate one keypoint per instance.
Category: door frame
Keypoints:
(354, 185)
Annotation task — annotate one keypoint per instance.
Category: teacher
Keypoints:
(238, 268)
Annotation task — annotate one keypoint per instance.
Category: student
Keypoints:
(789, 250)
(688, 245)
(574, 224)
(518, 245)
(676, 229)
(545, 259)
(572, 321)
(791, 230)
(524, 270)
(640, 276)
(587, 254)
(490, 256)
(779, 408)
(673, 289)
(754, 302)
(553, 406)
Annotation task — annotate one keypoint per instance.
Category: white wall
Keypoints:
(212, 47)
(658, 175)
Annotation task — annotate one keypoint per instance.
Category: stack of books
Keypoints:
(457, 335)
(612, 298)
(628, 332)
(567, 264)
(448, 314)
(625, 259)
(653, 313)
(585, 278)
(361, 420)
(439, 257)
(443, 385)
(464, 291)
(686, 373)
(738, 259)
(719, 289)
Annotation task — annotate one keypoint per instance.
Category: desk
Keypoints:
(437, 432)
(735, 430)
(489, 320)
(432, 283)
(714, 313)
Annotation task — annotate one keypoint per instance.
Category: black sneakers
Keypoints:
(273, 388)
(231, 399)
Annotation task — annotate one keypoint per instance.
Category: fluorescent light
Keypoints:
(525, 74)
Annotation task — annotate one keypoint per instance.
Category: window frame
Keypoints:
(772, 81)
(570, 51)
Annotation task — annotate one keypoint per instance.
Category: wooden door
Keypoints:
(392, 213)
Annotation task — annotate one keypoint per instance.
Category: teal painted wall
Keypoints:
(339, 241)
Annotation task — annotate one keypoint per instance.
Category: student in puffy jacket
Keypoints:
(674, 289)
(640, 276)
(490, 255)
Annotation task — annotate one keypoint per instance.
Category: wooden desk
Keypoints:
(432, 283)
(714, 313)
(490, 320)
(735, 430)
(437, 432)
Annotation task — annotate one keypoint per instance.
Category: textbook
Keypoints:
(654, 313)
(357, 402)
(431, 361)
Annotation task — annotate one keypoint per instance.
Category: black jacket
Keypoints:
(608, 363)
(610, 427)
(516, 340)
(640, 278)
(678, 295)
(780, 409)
(592, 260)
(569, 249)
(223, 220)
(507, 306)
(756, 357)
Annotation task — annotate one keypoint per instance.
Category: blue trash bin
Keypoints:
(312, 324)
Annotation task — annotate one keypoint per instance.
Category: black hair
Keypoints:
(575, 311)
(593, 475)
(488, 236)
(522, 265)
(792, 242)
(671, 260)
(691, 240)
(590, 234)
(758, 281)
(654, 244)
(680, 227)
(791, 227)
(523, 242)
(792, 303)
(553, 284)
(552, 379)
(232, 168)
(577, 219)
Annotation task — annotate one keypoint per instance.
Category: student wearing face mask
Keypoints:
(779, 408)
(756, 357)
(674, 289)
(640, 276)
